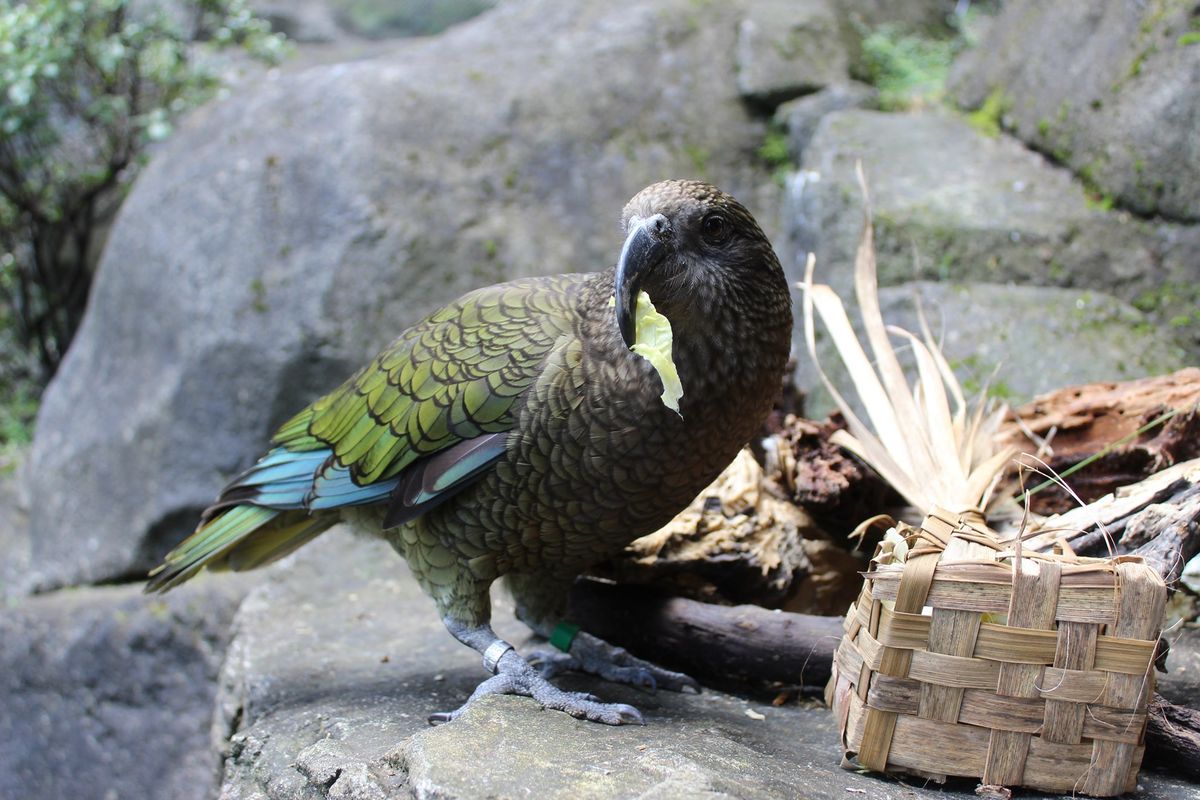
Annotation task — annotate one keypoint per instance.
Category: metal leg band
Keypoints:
(494, 652)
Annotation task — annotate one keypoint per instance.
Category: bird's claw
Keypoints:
(597, 657)
(515, 676)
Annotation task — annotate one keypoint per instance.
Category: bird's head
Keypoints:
(687, 244)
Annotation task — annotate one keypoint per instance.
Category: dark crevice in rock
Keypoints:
(1112, 203)
(164, 535)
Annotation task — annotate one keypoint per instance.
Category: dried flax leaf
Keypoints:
(866, 383)
(938, 420)
(866, 285)
(932, 453)
(860, 440)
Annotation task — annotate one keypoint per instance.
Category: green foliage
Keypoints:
(775, 154)
(380, 18)
(909, 70)
(18, 395)
(978, 377)
(774, 150)
(85, 87)
(988, 119)
(18, 407)
(1191, 37)
(699, 157)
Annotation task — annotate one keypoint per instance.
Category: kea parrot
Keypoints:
(514, 433)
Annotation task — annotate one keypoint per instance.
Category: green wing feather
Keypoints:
(454, 376)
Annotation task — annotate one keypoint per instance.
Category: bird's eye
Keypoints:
(715, 228)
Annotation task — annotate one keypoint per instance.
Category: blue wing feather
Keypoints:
(313, 480)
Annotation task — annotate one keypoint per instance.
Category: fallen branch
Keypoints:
(724, 645)
(1173, 737)
(1158, 518)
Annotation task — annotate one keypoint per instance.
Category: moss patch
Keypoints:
(988, 119)
(909, 70)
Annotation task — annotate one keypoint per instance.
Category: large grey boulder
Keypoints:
(787, 48)
(953, 204)
(1111, 89)
(292, 229)
(16, 549)
(338, 658)
(105, 693)
(799, 118)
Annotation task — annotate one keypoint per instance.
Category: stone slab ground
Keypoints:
(337, 659)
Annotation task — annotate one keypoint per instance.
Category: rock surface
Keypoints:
(1112, 89)
(337, 660)
(974, 207)
(954, 205)
(289, 231)
(106, 693)
(787, 48)
(308, 22)
(1181, 684)
(800, 117)
(14, 535)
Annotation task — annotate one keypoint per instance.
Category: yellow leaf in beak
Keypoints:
(652, 341)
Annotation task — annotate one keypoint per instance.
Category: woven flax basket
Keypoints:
(966, 657)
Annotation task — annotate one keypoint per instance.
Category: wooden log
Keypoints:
(1173, 737)
(722, 645)
(1167, 535)
(826, 481)
(1100, 528)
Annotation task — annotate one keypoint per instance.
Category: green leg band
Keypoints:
(563, 634)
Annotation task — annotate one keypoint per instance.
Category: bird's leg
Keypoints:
(462, 593)
(512, 674)
(542, 605)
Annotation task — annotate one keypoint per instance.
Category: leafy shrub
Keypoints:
(85, 87)
(909, 70)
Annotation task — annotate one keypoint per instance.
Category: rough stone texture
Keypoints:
(1018, 341)
(106, 693)
(1181, 684)
(337, 659)
(309, 22)
(304, 22)
(787, 48)
(801, 116)
(975, 207)
(952, 204)
(911, 15)
(1112, 89)
(383, 18)
(289, 231)
(15, 546)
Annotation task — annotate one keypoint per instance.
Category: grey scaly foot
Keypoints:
(595, 656)
(513, 675)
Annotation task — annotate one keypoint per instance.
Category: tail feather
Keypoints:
(278, 538)
(214, 538)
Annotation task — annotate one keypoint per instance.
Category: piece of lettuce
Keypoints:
(652, 340)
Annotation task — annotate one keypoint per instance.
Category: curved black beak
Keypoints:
(643, 250)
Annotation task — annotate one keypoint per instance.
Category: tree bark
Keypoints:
(723, 645)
